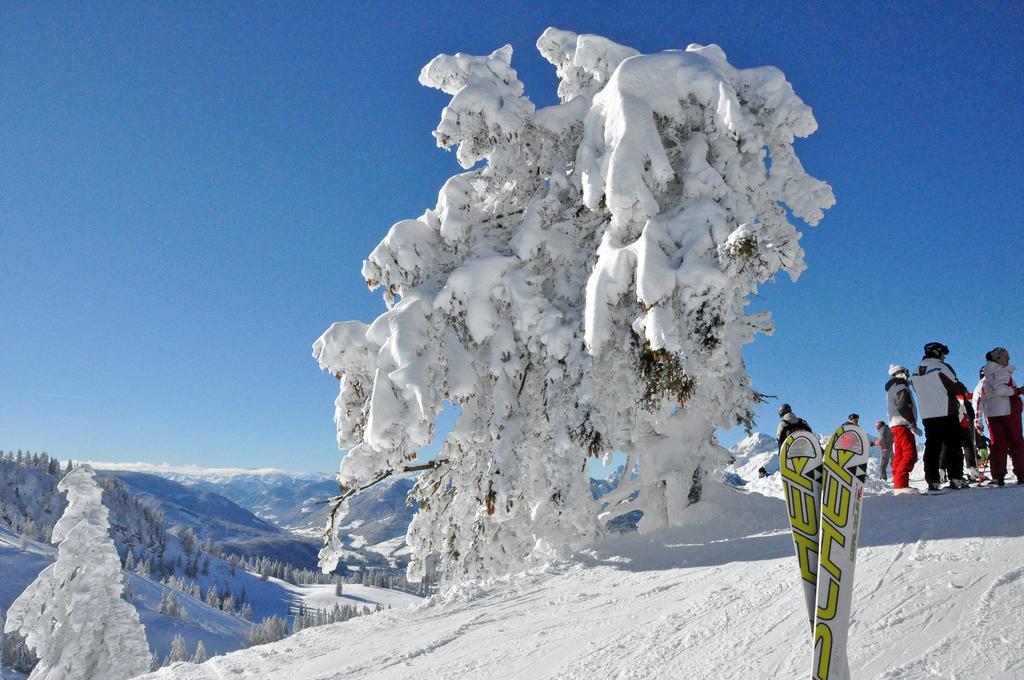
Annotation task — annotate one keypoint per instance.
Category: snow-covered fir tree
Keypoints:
(580, 290)
(200, 656)
(178, 652)
(170, 606)
(72, 615)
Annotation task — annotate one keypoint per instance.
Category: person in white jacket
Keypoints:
(937, 389)
(1001, 404)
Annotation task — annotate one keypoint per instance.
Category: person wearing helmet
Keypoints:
(937, 389)
(789, 423)
(903, 421)
(1002, 406)
(884, 442)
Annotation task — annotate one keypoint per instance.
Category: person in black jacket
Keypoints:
(789, 423)
(937, 390)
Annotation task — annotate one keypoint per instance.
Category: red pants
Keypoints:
(1006, 439)
(904, 455)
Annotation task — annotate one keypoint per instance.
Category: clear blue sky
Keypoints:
(187, 191)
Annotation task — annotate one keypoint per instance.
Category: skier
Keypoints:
(789, 423)
(884, 442)
(937, 389)
(1002, 406)
(903, 421)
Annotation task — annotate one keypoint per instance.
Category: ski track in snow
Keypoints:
(939, 589)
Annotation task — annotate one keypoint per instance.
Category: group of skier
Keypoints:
(954, 418)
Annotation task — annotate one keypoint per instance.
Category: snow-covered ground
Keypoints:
(323, 597)
(939, 594)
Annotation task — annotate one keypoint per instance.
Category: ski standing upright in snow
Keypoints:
(824, 492)
(800, 461)
(842, 487)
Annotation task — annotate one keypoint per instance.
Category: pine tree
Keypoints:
(170, 607)
(200, 656)
(72, 615)
(179, 652)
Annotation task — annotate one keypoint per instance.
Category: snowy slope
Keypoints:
(220, 632)
(323, 597)
(939, 586)
(18, 567)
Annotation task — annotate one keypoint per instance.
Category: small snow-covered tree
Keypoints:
(200, 656)
(580, 292)
(170, 606)
(178, 652)
(189, 540)
(72, 615)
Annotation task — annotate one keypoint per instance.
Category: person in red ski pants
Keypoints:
(1003, 407)
(903, 421)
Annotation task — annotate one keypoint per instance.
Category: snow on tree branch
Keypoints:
(581, 291)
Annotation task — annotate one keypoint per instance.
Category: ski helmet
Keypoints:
(896, 369)
(935, 350)
(784, 409)
(853, 416)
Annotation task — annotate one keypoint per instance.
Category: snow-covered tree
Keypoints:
(200, 656)
(189, 540)
(170, 606)
(580, 292)
(178, 651)
(270, 629)
(72, 615)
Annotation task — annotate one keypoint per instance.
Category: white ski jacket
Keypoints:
(998, 388)
(936, 385)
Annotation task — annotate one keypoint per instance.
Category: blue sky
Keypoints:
(187, 191)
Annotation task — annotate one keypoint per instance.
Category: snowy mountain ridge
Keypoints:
(210, 474)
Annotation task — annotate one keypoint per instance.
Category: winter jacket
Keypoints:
(885, 439)
(965, 410)
(937, 386)
(789, 424)
(900, 401)
(978, 402)
(999, 388)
